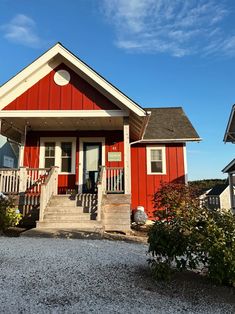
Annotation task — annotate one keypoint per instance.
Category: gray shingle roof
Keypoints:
(218, 189)
(170, 124)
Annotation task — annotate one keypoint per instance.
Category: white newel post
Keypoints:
(55, 192)
(21, 152)
(22, 179)
(127, 156)
(42, 202)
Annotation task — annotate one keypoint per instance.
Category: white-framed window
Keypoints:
(156, 159)
(8, 162)
(60, 152)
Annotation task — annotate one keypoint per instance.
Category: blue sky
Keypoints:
(158, 52)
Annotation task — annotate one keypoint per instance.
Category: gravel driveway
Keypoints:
(85, 276)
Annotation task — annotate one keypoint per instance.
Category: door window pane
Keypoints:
(66, 156)
(49, 154)
(92, 157)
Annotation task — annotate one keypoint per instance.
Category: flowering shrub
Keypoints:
(187, 236)
(9, 214)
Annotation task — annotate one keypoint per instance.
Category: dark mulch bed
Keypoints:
(14, 231)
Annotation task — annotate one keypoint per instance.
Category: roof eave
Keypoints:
(179, 140)
(226, 135)
(231, 164)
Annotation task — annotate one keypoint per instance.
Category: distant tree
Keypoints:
(206, 184)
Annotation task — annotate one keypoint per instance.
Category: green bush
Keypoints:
(186, 236)
(9, 214)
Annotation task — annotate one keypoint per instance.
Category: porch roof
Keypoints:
(169, 124)
(14, 127)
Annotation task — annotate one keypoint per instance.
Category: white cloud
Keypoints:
(175, 27)
(22, 29)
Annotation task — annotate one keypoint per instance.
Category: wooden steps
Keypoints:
(80, 213)
(63, 212)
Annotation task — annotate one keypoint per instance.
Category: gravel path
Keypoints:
(84, 276)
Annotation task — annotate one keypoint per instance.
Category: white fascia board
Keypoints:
(22, 85)
(102, 82)
(180, 140)
(27, 71)
(226, 169)
(48, 56)
(61, 113)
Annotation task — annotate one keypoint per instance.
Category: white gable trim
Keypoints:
(24, 80)
(44, 60)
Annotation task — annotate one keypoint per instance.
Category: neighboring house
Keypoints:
(8, 153)
(219, 197)
(203, 197)
(229, 137)
(65, 114)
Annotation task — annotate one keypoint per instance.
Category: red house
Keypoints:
(78, 133)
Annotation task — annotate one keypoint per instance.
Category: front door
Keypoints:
(91, 164)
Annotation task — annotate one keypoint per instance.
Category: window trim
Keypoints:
(58, 152)
(148, 159)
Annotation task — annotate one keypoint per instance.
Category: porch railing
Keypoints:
(25, 183)
(48, 189)
(27, 180)
(35, 178)
(114, 180)
(9, 180)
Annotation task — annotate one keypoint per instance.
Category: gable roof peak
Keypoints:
(47, 61)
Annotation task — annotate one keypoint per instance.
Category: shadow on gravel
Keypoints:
(188, 286)
(76, 234)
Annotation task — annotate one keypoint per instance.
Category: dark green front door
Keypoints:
(92, 162)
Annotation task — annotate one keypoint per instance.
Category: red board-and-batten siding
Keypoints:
(47, 95)
(113, 142)
(145, 185)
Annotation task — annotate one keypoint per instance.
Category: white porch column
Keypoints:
(231, 187)
(127, 156)
(21, 150)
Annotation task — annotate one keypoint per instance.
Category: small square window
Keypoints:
(156, 163)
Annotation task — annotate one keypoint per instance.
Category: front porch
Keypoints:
(37, 190)
(89, 160)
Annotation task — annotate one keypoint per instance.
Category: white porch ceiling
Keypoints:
(67, 124)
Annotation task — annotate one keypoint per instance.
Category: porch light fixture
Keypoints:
(62, 77)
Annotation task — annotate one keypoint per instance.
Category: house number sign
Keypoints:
(114, 156)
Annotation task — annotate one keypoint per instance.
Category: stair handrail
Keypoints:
(48, 189)
(101, 189)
